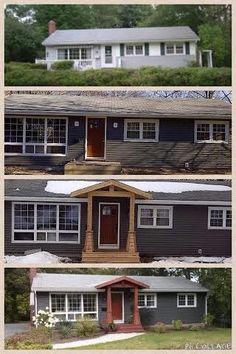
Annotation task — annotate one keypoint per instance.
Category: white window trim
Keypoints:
(155, 207)
(210, 122)
(145, 300)
(76, 47)
(57, 231)
(66, 312)
(224, 227)
(174, 45)
(134, 47)
(141, 121)
(186, 301)
(45, 144)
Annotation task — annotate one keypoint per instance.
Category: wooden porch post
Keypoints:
(88, 247)
(109, 305)
(136, 309)
(131, 241)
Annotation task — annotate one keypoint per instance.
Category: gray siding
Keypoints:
(42, 300)
(174, 61)
(189, 233)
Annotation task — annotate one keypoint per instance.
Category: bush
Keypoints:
(63, 65)
(112, 327)
(45, 319)
(37, 338)
(208, 320)
(159, 327)
(65, 329)
(194, 328)
(177, 324)
(86, 327)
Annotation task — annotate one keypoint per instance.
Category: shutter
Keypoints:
(187, 51)
(122, 50)
(146, 48)
(162, 48)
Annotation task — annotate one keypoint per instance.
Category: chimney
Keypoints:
(32, 274)
(52, 26)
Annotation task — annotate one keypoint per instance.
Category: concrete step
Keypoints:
(92, 167)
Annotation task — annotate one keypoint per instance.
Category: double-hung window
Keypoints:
(74, 306)
(134, 49)
(49, 223)
(141, 130)
(150, 216)
(186, 300)
(219, 218)
(75, 53)
(35, 136)
(211, 132)
(174, 48)
(147, 300)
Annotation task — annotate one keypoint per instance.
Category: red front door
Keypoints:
(96, 138)
(109, 226)
(117, 307)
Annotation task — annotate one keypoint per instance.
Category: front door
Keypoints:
(109, 225)
(117, 307)
(96, 138)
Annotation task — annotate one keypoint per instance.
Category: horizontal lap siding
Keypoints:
(167, 310)
(64, 249)
(42, 300)
(172, 61)
(189, 233)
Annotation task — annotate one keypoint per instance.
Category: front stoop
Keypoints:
(92, 167)
(110, 257)
(129, 328)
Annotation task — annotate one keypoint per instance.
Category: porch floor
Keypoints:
(110, 256)
(92, 167)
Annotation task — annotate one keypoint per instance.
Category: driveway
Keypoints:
(13, 328)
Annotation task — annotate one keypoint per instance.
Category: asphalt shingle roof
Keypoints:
(87, 282)
(120, 35)
(117, 106)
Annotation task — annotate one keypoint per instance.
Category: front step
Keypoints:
(129, 327)
(92, 167)
(110, 257)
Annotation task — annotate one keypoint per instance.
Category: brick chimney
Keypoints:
(52, 26)
(32, 274)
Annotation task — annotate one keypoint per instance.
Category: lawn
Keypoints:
(217, 338)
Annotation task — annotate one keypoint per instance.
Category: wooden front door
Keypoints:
(117, 307)
(109, 225)
(96, 136)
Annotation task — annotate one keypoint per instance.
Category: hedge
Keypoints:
(24, 75)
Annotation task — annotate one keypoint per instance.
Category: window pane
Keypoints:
(150, 300)
(228, 218)
(56, 131)
(14, 130)
(179, 48)
(41, 236)
(62, 54)
(216, 218)
(108, 54)
(58, 302)
(90, 304)
(146, 217)
(51, 236)
(129, 49)
(219, 132)
(46, 217)
(162, 217)
(74, 302)
(23, 236)
(68, 217)
(74, 53)
(141, 300)
(68, 237)
(13, 149)
(56, 150)
(190, 300)
(24, 216)
(181, 300)
(203, 132)
(149, 130)
(86, 53)
(138, 49)
(133, 130)
(35, 128)
(170, 49)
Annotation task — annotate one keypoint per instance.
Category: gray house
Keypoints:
(121, 47)
(117, 222)
(132, 302)
(92, 132)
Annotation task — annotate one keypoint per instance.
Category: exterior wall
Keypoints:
(63, 249)
(115, 55)
(171, 61)
(189, 233)
(154, 49)
(51, 53)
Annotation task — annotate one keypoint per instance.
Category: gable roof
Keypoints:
(122, 279)
(112, 106)
(119, 35)
(86, 282)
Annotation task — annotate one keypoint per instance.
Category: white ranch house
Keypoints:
(121, 47)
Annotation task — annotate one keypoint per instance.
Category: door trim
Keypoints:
(86, 139)
(108, 246)
(123, 307)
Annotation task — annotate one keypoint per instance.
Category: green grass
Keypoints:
(28, 74)
(218, 338)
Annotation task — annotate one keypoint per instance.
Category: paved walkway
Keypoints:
(14, 328)
(111, 337)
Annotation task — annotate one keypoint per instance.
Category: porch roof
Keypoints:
(123, 279)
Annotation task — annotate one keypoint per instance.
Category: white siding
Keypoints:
(193, 48)
(154, 49)
(115, 55)
(51, 53)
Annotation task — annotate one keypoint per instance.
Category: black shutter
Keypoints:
(146, 46)
(122, 50)
(162, 48)
(187, 48)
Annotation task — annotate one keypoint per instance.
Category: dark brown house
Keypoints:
(115, 221)
(94, 134)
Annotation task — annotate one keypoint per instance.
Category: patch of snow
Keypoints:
(36, 258)
(111, 337)
(67, 187)
(163, 261)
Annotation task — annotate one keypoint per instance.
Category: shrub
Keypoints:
(63, 65)
(177, 324)
(45, 319)
(194, 328)
(37, 338)
(208, 320)
(159, 327)
(65, 329)
(112, 327)
(86, 327)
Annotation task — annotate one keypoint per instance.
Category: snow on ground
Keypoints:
(67, 187)
(162, 261)
(36, 258)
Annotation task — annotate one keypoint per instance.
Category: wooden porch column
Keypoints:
(136, 309)
(109, 305)
(88, 247)
(131, 241)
